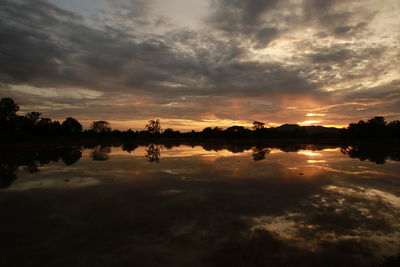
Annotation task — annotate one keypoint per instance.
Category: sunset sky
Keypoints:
(198, 63)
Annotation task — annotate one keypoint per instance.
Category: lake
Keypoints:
(200, 205)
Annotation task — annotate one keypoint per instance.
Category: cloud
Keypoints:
(237, 14)
(265, 55)
(245, 19)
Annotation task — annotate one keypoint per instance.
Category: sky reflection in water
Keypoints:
(158, 204)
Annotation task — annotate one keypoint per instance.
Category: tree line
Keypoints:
(34, 125)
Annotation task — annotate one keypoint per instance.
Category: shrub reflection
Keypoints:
(32, 160)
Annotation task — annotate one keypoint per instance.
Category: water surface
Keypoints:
(210, 205)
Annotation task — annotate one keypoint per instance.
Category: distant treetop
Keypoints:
(101, 127)
(8, 108)
(257, 125)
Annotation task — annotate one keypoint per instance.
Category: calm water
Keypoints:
(222, 205)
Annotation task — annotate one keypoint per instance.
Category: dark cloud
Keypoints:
(264, 21)
(82, 63)
(334, 55)
(239, 15)
(132, 8)
(350, 30)
(266, 35)
(71, 54)
(245, 19)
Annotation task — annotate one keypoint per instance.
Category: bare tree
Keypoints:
(153, 126)
(33, 116)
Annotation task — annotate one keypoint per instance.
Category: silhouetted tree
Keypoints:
(153, 127)
(258, 125)
(32, 125)
(8, 108)
(33, 116)
(101, 127)
(129, 134)
(22, 126)
(393, 128)
(45, 127)
(44, 121)
(377, 121)
(209, 132)
(168, 131)
(72, 126)
(374, 127)
(235, 129)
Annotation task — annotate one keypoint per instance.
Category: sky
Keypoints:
(199, 63)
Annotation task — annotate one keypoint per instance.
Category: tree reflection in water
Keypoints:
(259, 152)
(100, 153)
(7, 174)
(378, 155)
(129, 147)
(31, 160)
(153, 153)
(258, 221)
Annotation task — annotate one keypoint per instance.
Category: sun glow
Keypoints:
(309, 153)
(176, 124)
(315, 115)
(306, 123)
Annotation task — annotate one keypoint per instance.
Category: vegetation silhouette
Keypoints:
(259, 152)
(376, 127)
(8, 109)
(100, 153)
(258, 125)
(154, 127)
(153, 153)
(129, 147)
(32, 160)
(33, 116)
(378, 155)
(101, 127)
(71, 126)
(33, 127)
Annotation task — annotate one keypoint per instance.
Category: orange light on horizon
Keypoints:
(309, 153)
(316, 161)
(197, 125)
(306, 123)
(315, 115)
(176, 124)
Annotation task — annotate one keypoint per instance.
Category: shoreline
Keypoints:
(15, 144)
